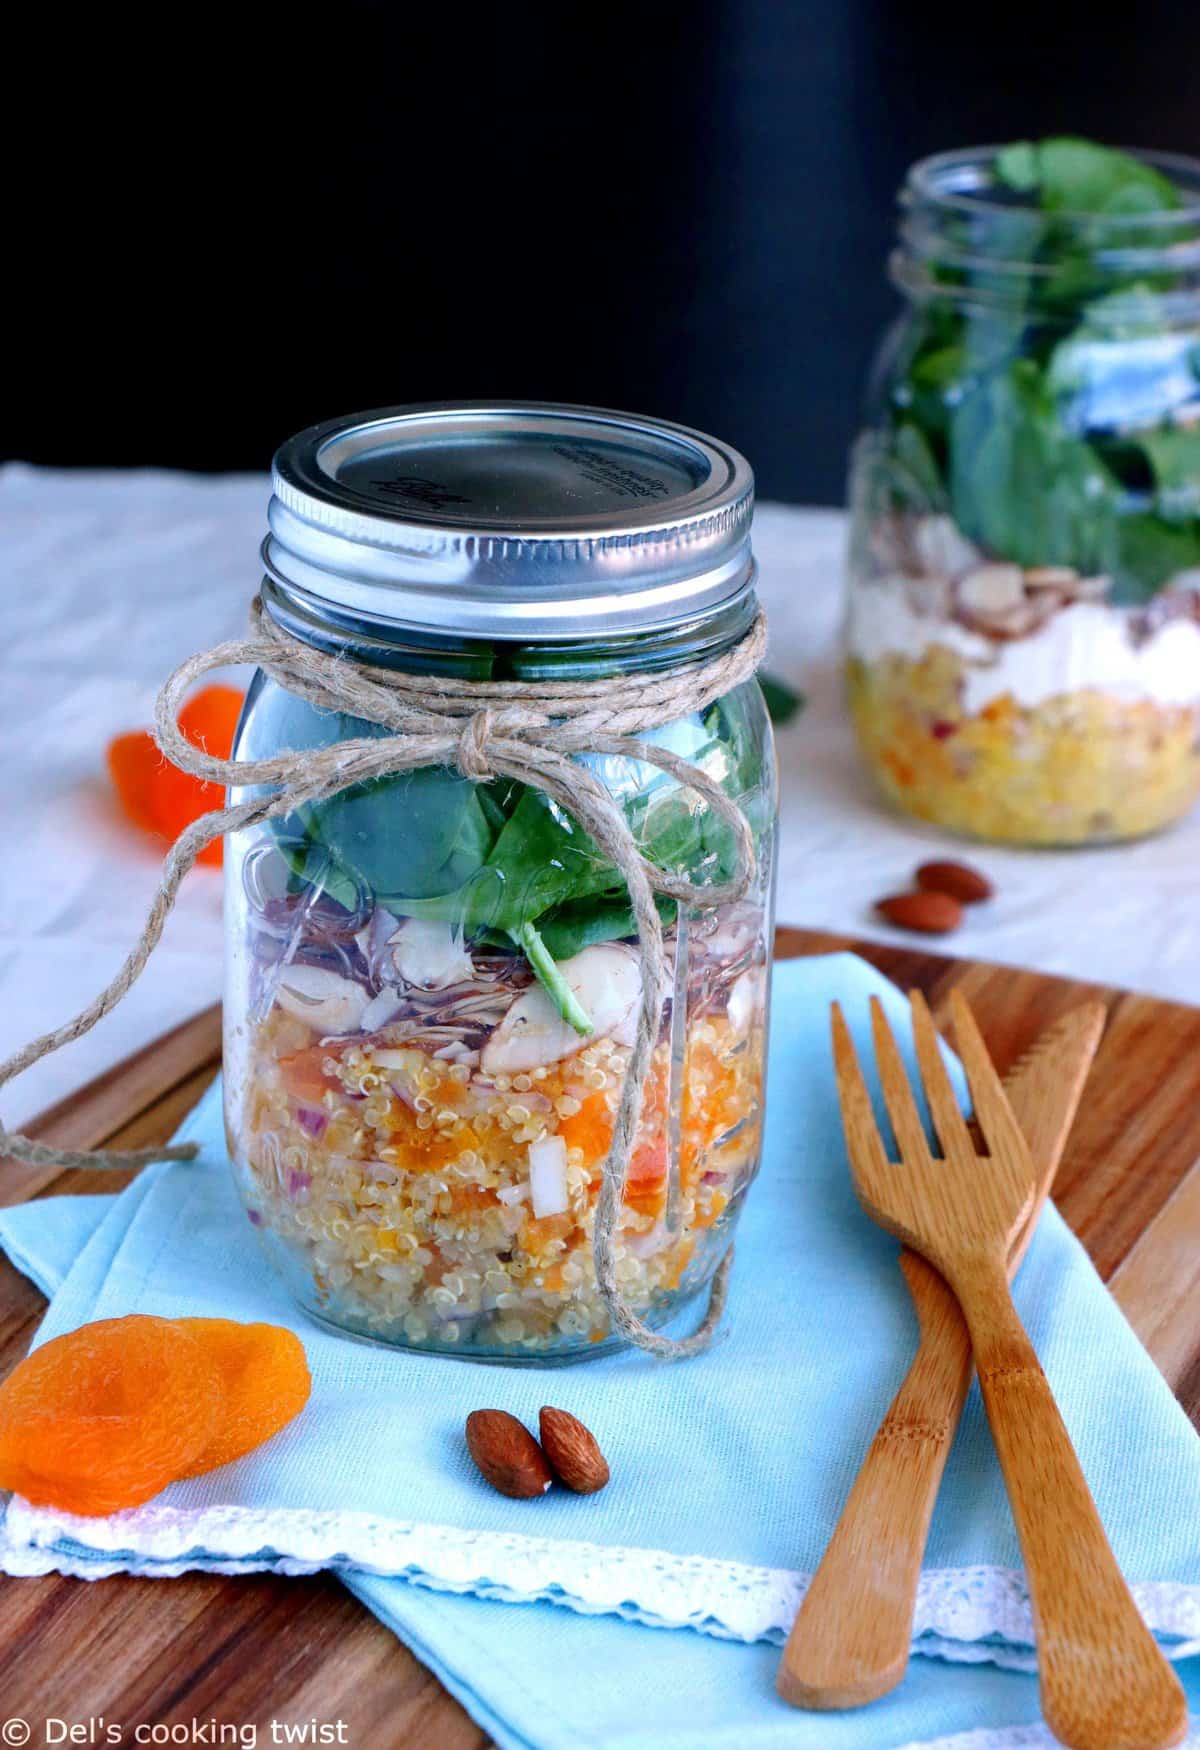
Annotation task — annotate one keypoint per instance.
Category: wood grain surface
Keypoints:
(250, 1650)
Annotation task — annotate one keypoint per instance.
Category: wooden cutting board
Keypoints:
(250, 1650)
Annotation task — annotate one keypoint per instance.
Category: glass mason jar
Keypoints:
(417, 1130)
(1024, 565)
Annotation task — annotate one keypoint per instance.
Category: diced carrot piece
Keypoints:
(133, 760)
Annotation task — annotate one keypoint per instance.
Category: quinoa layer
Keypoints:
(397, 1184)
(1082, 767)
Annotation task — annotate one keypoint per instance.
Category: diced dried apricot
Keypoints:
(679, 1263)
(264, 1380)
(646, 1180)
(647, 1164)
(589, 1129)
(107, 1415)
(304, 1076)
(537, 1232)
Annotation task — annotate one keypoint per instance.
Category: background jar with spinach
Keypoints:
(433, 982)
(1024, 568)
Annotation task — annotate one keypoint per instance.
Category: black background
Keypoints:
(229, 223)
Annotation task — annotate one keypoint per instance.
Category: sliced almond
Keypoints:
(991, 590)
(1018, 622)
(1059, 578)
(326, 1000)
(940, 548)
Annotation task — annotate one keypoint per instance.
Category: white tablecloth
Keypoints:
(109, 579)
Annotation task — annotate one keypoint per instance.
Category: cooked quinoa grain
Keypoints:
(399, 1182)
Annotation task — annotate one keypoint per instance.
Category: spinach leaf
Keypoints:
(1070, 175)
(1023, 486)
(505, 861)
(1174, 453)
(1150, 552)
(915, 476)
(578, 924)
(1017, 166)
(783, 704)
(419, 833)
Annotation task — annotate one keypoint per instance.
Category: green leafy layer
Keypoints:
(1039, 408)
(505, 861)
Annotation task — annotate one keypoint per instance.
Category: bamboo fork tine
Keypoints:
(992, 1110)
(943, 1101)
(897, 1095)
(855, 1101)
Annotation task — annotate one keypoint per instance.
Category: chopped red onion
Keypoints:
(312, 1120)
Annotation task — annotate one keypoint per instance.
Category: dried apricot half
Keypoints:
(265, 1382)
(156, 794)
(107, 1415)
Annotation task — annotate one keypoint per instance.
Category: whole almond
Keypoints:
(507, 1454)
(933, 914)
(572, 1450)
(959, 880)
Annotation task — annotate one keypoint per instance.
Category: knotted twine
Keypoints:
(524, 730)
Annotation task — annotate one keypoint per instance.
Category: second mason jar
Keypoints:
(417, 1118)
(1024, 616)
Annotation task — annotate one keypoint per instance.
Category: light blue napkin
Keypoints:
(734, 1464)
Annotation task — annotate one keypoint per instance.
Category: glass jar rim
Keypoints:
(960, 181)
(965, 239)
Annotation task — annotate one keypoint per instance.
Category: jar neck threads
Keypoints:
(374, 641)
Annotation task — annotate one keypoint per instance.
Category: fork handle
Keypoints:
(850, 1641)
(1105, 1684)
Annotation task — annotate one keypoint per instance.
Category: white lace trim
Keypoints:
(1018, 1738)
(979, 1613)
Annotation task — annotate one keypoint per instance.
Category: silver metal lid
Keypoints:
(526, 520)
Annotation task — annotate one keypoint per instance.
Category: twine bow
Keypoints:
(528, 731)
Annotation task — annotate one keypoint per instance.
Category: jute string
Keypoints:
(527, 731)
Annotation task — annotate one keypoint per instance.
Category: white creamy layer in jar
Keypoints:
(1083, 645)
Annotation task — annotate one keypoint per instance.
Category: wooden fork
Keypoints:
(852, 1635)
(1105, 1684)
